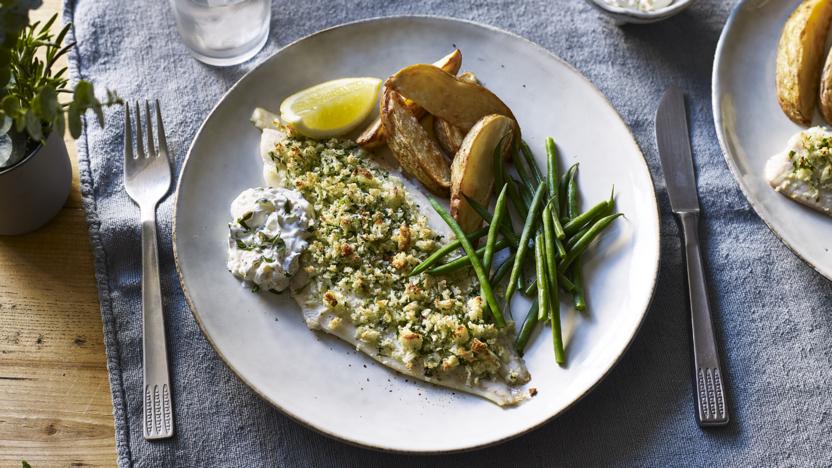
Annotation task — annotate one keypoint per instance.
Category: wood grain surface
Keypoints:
(55, 406)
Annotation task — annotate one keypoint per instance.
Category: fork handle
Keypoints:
(158, 411)
(709, 386)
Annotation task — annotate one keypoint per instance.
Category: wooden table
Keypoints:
(55, 406)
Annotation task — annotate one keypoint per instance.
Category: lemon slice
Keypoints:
(332, 108)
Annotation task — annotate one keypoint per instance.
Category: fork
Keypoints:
(147, 180)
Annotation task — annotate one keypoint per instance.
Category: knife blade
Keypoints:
(673, 141)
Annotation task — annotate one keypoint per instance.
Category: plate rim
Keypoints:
(716, 90)
(309, 425)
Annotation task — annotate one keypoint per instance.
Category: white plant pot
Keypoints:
(34, 190)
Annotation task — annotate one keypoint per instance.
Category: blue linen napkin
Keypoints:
(773, 311)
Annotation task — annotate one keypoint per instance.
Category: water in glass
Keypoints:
(223, 32)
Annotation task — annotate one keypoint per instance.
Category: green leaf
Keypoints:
(59, 123)
(74, 120)
(34, 126)
(62, 34)
(49, 23)
(84, 94)
(47, 103)
(60, 53)
(25, 464)
(59, 73)
(10, 105)
(19, 122)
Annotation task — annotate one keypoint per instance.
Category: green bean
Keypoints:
(564, 283)
(457, 263)
(516, 199)
(522, 248)
(543, 293)
(522, 171)
(561, 251)
(475, 263)
(579, 299)
(527, 329)
(529, 156)
(585, 240)
(559, 248)
(525, 194)
(557, 336)
(572, 207)
(502, 270)
(554, 191)
(506, 229)
(570, 243)
(442, 251)
(564, 196)
(552, 169)
(573, 239)
(585, 218)
(550, 252)
(493, 229)
(499, 167)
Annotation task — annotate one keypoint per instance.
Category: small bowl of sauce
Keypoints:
(640, 11)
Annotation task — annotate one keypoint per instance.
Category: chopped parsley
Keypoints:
(243, 219)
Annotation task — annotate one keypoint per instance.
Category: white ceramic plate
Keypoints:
(322, 382)
(751, 126)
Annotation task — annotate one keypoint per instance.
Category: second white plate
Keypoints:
(751, 126)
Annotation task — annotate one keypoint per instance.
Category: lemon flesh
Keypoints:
(332, 108)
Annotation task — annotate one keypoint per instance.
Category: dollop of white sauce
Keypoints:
(640, 5)
(268, 233)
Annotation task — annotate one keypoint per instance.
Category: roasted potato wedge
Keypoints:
(417, 153)
(826, 89)
(449, 137)
(445, 96)
(472, 172)
(799, 55)
(373, 135)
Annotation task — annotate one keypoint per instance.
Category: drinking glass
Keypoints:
(223, 32)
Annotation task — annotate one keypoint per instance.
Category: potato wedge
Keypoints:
(373, 135)
(472, 172)
(459, 102)
(826, 89)
(449, 137)
(799, 55)
(417, 153)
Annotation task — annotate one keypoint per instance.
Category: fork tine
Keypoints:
(128, 135)
(139, 137)
(151, 147)
(160, 129)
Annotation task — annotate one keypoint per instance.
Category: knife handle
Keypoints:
(708, 377)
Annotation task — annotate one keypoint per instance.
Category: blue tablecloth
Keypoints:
(773, 311)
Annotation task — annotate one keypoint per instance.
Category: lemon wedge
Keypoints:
(332, 108)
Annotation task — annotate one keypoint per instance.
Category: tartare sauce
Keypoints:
(267, 236)
(639, 5)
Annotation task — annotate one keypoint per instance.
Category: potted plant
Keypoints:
(35, 174)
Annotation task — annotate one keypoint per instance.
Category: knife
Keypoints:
(677, 164)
